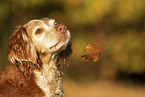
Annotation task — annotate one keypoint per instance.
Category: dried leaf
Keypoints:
(95, 52)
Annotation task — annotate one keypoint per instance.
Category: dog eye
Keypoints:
(55, 24)
(38, 31)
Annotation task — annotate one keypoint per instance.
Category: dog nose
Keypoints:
(62, 28)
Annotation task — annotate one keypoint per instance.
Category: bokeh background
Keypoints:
(118, 24)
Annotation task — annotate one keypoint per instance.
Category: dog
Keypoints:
(34, 51)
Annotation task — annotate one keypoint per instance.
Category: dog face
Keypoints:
(39, 36)
(47, 35)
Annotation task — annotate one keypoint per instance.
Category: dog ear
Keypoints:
(66, 53)
(21, 47)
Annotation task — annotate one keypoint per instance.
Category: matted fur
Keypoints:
(35, 70)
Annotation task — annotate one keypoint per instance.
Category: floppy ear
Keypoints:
(21, 47)
(66, 53)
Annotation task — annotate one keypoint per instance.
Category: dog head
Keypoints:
(43, 36)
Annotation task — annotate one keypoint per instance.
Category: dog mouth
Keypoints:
(62, 39)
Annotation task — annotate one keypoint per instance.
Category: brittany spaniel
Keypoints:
(34, 51)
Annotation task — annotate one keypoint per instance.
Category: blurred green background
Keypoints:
(118, 24)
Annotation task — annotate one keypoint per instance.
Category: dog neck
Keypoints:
(48, 78)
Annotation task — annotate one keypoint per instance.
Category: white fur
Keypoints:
(45, 77)
(51, 22)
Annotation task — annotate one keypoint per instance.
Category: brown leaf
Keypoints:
(92, 48)
(95, 52)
